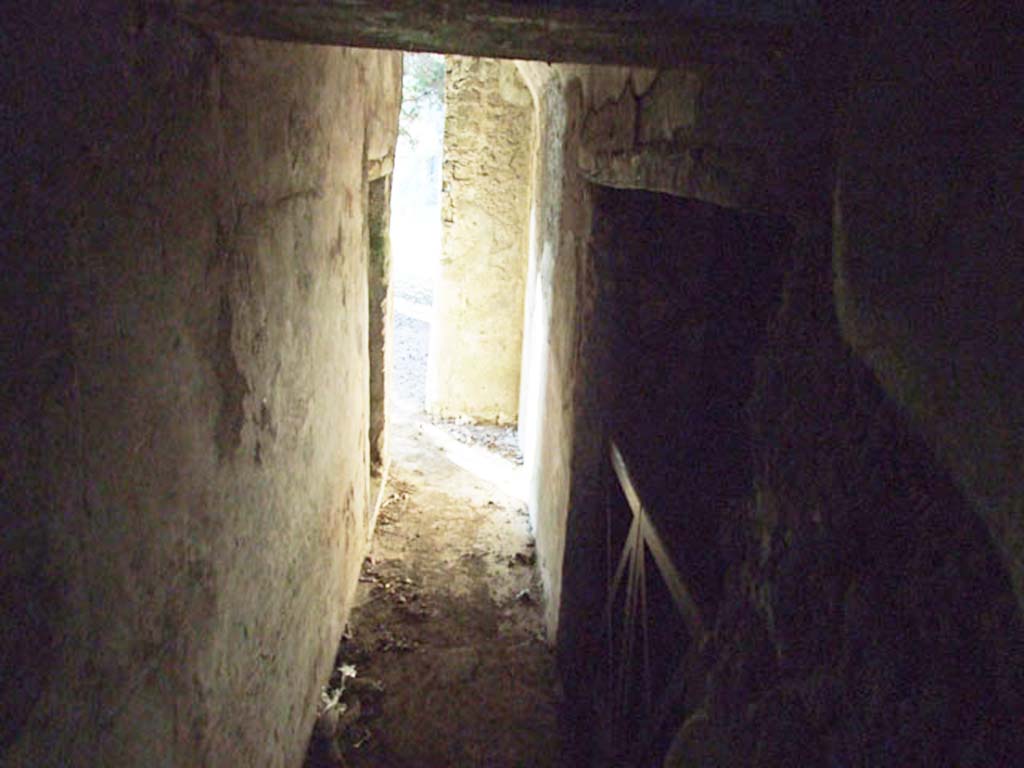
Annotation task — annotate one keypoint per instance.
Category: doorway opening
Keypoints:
(683, 294)
(459, 211)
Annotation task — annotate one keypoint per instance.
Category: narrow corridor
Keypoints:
(446, 637)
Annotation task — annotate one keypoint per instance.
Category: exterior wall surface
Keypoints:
(185, 405)
(477, 331)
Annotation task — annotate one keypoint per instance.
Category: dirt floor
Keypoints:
(446, 642)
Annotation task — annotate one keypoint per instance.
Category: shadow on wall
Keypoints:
(867, 618)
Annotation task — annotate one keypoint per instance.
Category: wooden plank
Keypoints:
(681, 595)
(493, 28)
(625, 481)
(624, 558)
(629, 621)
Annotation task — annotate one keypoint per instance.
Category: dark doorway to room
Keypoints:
(684, 291)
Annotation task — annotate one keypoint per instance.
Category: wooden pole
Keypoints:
(681, 595)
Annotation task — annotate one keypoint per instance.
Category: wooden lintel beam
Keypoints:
(497, 29)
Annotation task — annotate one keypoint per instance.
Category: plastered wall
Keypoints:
(185, 408)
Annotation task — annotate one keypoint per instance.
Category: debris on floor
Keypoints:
(446, 643)
(347, 706)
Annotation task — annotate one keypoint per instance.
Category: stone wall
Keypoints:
(477, 331)
(185, 413)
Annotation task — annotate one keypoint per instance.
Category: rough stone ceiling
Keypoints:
(651, 32)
